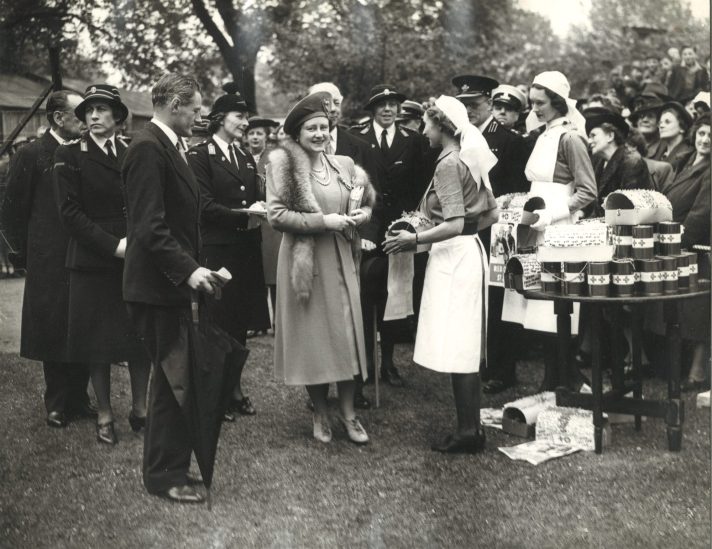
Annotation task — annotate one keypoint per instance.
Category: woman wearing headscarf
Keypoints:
(317, 200)
(87, 175)
(561, 173)
(615, 166)
(673, 125)
(452, 323)
(229, 182)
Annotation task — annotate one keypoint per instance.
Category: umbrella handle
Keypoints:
(194, 308)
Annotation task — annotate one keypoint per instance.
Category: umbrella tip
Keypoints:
(209, 499)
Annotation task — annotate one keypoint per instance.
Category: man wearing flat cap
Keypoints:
(512, 153)
(400, 173)
(508, 103)
(411, 116)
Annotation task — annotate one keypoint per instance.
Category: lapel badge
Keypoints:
(211, 149)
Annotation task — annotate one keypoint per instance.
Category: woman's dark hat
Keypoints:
(470, 86)
(312, 106)
(596, 116)
(230, 102)
(106, 94)
(684, 116)
(259, 122)
(382, 92)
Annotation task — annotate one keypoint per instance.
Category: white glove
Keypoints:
(545, 219)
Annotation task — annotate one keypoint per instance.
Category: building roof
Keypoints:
(20, 92)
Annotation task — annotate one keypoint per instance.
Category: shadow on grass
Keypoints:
(276, 487)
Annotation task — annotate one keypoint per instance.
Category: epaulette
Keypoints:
(211, 148)
(405, 132)
(83, 145)
(364, 131)
(124, 140)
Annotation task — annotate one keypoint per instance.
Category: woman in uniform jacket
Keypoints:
(229, 182)
(319, 335)
(615, 166)
(452, 325)
(87, 180)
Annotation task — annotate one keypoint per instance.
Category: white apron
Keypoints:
(536, 314)
(453, 311)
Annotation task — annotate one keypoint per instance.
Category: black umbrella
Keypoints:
(215, 359)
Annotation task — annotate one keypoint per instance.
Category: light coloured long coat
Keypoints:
(318, 322)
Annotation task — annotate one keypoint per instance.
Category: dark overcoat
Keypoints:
(512, 152)
(226, 240)
(163, 221)
(625, 169)
(33, 227)
(91, 204)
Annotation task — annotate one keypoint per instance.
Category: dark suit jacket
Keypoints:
(689, 194)
(223, 189)
(32, 225)
(163, 221)
(91, 202)
(354, 147)
(512, 154)
(400, 178)
(661, 173)
(625, 170)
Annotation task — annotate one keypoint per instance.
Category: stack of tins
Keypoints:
(693, 270)
(683, 271)
(623, 241)
(668, 238)
(669, 274)
(622, 277)
(650, 276)
(643, 242)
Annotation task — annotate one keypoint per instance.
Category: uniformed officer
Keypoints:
(508, 103)
(411, 116)
(399, 173)
(229, 182)
(512, 153)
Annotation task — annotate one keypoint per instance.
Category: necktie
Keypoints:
(384, 141)
(179, 146)
(233, 158)
(110, 149)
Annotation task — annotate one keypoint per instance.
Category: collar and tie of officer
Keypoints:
(109, 146)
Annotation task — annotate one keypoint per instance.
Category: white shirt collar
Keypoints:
(172, 136)
(485, 123)
(224, 145)
(390, 132)
(59, 139)
(101, 142)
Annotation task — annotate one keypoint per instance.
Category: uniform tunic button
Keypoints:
(244, 202)
(242, 188)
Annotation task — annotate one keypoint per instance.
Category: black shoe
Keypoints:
(105, 433)
(361, 402)
(182, 494)
(690, 385)
(137, 423)
(452, 444)
(494, 386)
(56, 420)
(392, 377)
(82, 411)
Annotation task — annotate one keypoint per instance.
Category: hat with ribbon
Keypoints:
(410, 110)
(557, 83)
(509, 96)
(702, 98)
(472, 85)
(230, 102)
(597, 116)
(312, 106)
(105, 94)
(259, 122)
(383, 92)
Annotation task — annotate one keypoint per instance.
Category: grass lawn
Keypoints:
(277, 487)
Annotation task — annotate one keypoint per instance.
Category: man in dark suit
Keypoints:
(507, 176)
(34, 230)
(160, 270)
(400, 172)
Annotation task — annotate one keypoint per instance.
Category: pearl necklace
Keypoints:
(324, 181)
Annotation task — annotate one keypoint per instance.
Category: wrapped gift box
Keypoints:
(590, 241)
(637, 207)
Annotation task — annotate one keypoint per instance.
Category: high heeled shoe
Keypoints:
(136, 422)
(354, 430)
(453, 444)
(105, 433)
(322, 429)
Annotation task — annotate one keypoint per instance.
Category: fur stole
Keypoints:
(290, 167)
